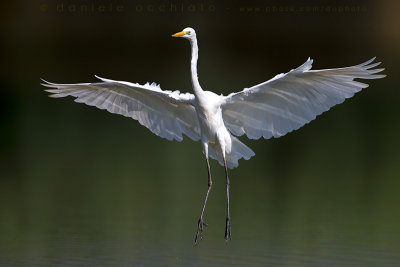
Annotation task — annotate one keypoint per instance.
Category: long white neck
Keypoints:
(195, 80)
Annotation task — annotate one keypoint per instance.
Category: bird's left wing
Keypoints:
(288, 101)
(165, 113)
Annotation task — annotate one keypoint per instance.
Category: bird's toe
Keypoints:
(200, 227)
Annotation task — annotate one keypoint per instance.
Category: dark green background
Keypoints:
(80, 186)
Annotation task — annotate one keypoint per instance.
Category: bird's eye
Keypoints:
(187, 32)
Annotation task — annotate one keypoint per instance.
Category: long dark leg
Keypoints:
(201, 222)
(228, 217)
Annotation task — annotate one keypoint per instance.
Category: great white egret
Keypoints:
(269, 109)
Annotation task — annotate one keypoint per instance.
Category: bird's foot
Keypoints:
(228, 229)
(199, 234)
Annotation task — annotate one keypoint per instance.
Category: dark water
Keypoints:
(81, 187)
(90, 207)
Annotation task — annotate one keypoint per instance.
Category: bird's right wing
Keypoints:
(165, 113)
(290, 100)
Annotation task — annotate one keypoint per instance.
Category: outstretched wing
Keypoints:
(165, 113)
(288, 101)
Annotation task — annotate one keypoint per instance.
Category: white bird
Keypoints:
(269, 109)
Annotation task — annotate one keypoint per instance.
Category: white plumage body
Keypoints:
(214, 134)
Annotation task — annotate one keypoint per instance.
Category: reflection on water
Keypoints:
(55, 216)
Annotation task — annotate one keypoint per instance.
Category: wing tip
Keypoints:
(369, 61)
(101, 79)
(369, 65)
(47, 83)
(378, 76)
(54, 96)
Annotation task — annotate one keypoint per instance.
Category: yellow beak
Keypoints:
(179, 34)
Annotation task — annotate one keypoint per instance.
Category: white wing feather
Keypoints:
(288, 101)
(165, 113)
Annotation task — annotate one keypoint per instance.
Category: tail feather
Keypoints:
(238, 151)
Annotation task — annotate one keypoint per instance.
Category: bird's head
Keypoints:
(187, 33)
